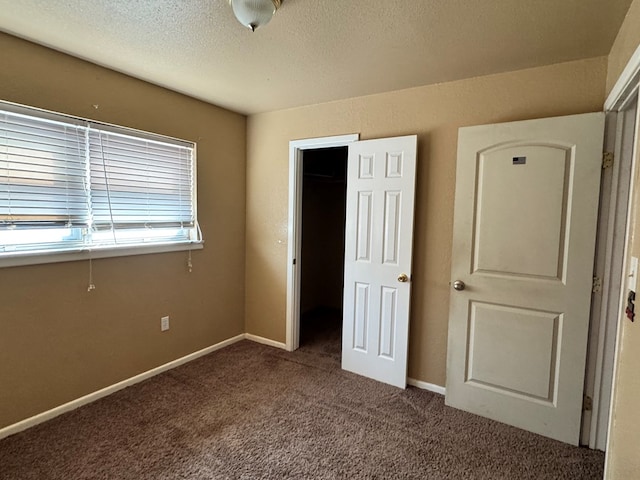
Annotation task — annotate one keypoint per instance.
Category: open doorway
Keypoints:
(377, 259)
(297, 152)
(324, 188)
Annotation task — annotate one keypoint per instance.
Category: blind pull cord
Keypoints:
(106, 183)
(91, 285)
(199, 233)
(189, 263)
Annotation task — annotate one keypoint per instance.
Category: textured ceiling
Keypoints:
(315, 51)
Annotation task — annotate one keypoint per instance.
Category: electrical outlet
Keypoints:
(164, 324)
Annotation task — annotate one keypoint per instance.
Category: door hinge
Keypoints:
(587, 403)
(607, 160)
(597, 285)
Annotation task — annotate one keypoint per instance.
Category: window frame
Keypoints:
(95, 251)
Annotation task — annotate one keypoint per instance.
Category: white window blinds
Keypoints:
(140, 184)
(43, 173)
(70, 184)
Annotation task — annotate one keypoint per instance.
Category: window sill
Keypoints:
(83, 254)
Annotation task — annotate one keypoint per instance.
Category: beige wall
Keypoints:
(623, 459)
(59, 342)
(432, 112)
(623, 456)
(625, 44)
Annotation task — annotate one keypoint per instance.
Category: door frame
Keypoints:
(296, 151)
(608, 273)
(600, 377)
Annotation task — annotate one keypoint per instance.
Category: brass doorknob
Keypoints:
(459, 285)
(403, 278)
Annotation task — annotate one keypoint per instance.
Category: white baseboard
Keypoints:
(265, 341)
(92, 397)
(426, 386)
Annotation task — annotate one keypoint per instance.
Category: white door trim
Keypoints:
(626, 83)
(603, 379)
(612, 224)
(625, 88)
(296, 149)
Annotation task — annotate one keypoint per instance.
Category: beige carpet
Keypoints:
(253, 412)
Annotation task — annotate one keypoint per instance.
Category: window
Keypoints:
(72, 185)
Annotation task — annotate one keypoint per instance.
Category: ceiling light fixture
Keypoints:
(254, 13)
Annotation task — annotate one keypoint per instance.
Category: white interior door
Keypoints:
(378, 244)
(523, 249)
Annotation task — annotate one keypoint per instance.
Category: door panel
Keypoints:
(378, 244)
(387, 322)
(512, 350)
(361, 317)
(524, 238)
(364, 226)
(517, 201)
